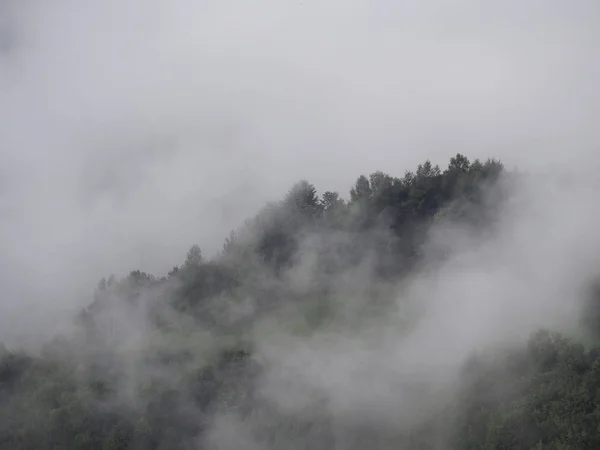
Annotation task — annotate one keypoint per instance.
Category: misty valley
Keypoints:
(428, 311)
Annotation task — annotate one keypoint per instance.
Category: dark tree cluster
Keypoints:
(153, 362)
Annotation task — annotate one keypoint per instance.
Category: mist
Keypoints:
(131, 130)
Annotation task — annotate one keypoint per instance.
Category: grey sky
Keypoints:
(131, 129)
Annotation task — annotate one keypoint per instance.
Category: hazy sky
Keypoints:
(131, 129)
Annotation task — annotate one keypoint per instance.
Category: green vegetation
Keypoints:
(172, 362)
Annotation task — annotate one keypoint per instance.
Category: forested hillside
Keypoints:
(237, 351)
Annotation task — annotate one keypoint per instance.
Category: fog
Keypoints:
(131, 129)
(489, 292)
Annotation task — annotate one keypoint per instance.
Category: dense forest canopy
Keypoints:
(311, 330)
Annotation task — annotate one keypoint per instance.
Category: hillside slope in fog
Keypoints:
(443, 309)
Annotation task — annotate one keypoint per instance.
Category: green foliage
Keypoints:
(105, 387)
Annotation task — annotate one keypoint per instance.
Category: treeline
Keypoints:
(158, 362)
